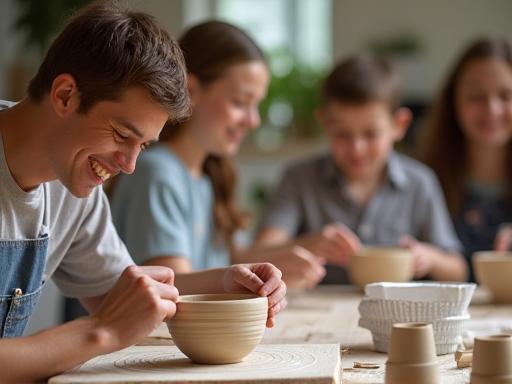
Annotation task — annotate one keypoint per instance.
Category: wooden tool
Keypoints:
(464, 358)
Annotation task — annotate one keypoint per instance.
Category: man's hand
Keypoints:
(140, 300)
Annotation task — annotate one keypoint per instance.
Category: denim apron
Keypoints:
(22, 264)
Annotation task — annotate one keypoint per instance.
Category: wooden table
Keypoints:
(328, 315)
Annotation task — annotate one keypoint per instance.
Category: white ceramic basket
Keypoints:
(447, 332)
(422, 291)
(410, 311)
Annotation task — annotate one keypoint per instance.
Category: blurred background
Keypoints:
(302, 39)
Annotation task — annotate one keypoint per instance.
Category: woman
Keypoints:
(178, 209)
(469, 144)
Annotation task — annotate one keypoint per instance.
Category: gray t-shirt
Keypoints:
(312, 194)
(85, 255)
(161, 209)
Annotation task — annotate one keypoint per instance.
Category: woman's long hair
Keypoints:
(210, 48)
(444, 147)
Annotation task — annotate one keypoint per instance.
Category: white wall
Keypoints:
(169, 12)
(444, 27)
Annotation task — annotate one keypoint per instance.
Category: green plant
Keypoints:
(298, 87)
(40, 20)
(400, 44)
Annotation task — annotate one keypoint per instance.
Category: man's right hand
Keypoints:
(140, 300)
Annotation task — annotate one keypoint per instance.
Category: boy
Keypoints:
(362, 192)
(108, 84)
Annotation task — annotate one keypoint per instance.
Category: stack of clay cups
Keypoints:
(412, 355)
(218, 328)
(492, 360)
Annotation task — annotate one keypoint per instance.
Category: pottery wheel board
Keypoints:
(298, 363)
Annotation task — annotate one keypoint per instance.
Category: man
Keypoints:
(108, 84)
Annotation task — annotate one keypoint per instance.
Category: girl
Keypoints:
(178, 209)
(469, 144)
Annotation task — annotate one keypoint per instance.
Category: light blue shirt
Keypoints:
(161, 209)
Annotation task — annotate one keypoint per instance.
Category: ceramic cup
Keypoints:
(492, 360)
(493, 270)
(412, 355)
(375, 264)
(218, 328)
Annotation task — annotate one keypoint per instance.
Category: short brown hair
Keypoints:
(109, 48)
(361, 79)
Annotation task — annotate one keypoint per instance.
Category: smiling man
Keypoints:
(108, 84)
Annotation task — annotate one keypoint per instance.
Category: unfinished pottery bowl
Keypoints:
(374, 264)
(218, 328)
(493, 270)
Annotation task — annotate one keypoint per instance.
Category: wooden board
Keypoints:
(298, 363)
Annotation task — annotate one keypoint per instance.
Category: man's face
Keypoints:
(361, 137)
(88, 148)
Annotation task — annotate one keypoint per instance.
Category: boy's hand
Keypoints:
(140, 300)
(336, 243)
(423, 255)
(263, 279)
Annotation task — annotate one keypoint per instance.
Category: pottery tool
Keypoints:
(268, 363)
(464, 358)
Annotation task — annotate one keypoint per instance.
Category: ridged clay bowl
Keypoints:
(218, 328)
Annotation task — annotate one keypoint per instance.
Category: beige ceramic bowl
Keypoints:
(493, 270)
(376, 264)
(218, 328)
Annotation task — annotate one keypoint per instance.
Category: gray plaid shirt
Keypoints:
(312, 194)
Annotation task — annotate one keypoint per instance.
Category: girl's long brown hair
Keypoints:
(444, 148)
(210, 48)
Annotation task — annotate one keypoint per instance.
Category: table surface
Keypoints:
(328, 314)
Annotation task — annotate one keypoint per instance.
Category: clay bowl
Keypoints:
(218, 328)
(492, 360)
(493, 270)
(376, 264)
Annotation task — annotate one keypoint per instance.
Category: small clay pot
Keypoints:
(218, 328)
(412, 355)
(493, 270)
(376, 264)
(492, 360)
